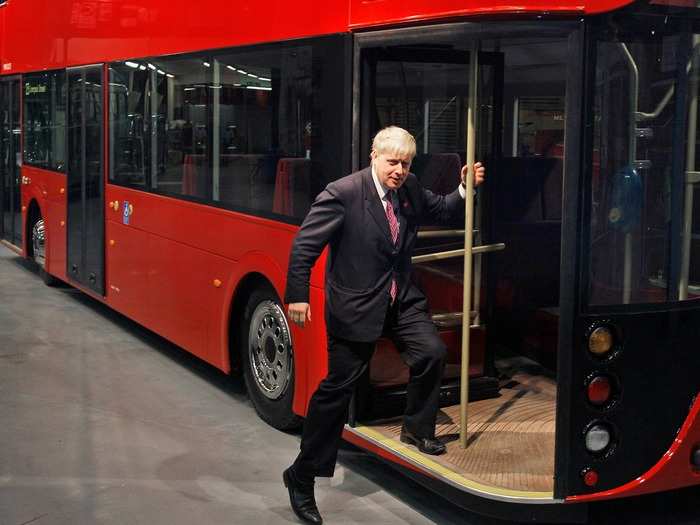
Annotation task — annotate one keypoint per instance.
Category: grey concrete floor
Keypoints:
(103, 422)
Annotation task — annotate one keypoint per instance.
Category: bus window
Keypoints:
(236, 128)
(641, 197)
(45, 120)
(159, 111)
(130, 137)
(180, 103)
(262, 119)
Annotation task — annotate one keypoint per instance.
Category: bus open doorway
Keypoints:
(514, 321)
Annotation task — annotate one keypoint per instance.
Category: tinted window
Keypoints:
(180, 94)
(45, 120)
(263, 121)
(644, 219)
(239, 130)
(130, 137)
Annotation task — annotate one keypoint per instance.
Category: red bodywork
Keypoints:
(674, 470)
(67, 33)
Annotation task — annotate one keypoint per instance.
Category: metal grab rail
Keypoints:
(437, 234)
(476, 250)
(453, 319)
(468, 238)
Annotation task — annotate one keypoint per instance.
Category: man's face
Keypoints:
(391, 168)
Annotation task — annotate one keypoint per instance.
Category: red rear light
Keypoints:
(599, 390)
(590, 477)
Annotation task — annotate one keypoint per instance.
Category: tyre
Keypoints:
(39, 251)
(268, 360)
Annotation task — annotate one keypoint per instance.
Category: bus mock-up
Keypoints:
(160, 157)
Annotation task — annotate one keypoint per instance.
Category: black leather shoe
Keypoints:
(301, 498)
(430, 446)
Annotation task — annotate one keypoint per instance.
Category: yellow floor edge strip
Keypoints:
(424, 461)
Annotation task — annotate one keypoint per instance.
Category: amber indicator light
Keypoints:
(600, 341)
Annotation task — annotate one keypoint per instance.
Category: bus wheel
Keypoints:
(268, 362)
(39, 251)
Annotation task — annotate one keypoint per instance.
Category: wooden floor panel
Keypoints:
(511, 437)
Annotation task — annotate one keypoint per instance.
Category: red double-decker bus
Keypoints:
(160, 156)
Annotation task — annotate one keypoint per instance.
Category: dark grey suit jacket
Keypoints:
(349, 216)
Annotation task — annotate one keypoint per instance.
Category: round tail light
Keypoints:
(598, 438)
(590, 477)
(599, 390)
(600, 341)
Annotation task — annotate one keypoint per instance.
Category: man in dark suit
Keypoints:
(370, 220)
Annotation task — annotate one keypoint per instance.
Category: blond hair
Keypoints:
(394, 140)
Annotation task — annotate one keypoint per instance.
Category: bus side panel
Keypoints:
(127, 270)
(211, 23)
(68, 33)
(22, 52)
(228, 234)
(364, 14)
(184, 296)
(186, 247)
(55, 220)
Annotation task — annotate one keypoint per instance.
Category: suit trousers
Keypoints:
(421, 348)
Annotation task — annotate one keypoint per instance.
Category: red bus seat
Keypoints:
(247, 180)
(293, 192)
(387, 369)
(193, 174)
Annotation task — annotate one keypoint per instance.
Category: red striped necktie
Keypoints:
(394, 229)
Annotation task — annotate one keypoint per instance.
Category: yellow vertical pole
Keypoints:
(468, 241)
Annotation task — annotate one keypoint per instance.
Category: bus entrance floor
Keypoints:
(103, 422)
(510, 438)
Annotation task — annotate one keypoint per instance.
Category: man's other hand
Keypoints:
(479, 174)
(298, 313)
